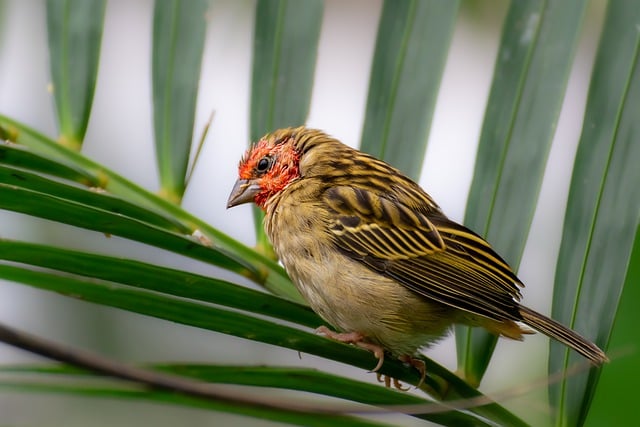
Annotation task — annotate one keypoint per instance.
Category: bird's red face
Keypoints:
(266, 169)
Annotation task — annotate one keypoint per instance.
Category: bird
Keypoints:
(375, 256)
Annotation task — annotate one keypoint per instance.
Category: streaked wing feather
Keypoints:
(466, 289)
(469, 246)
(432, 256)
(370, 225)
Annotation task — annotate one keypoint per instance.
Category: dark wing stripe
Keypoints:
(353, 247)
(482, 254)
(403, 242)
(466, 292)
(428, 237)
(400, 243)
(375, 241)
(469, 241)
(387, 243)
(457, 234)
(503, 281)
(486, 266)
(364, 245)
(474, 284)
(431, 287)
(360, 200)
(415, 241)
(379, 241)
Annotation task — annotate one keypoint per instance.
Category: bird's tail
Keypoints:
(557, 331)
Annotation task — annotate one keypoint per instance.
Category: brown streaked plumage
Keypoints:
(374, 255)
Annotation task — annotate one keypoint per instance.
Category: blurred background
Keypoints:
(120, 136)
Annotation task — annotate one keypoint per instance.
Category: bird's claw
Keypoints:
(416, 363)
(377, 351)
(387, 380)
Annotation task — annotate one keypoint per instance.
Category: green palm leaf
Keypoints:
(178, 42)
(75, 32)
(603, 212)
(411, 49)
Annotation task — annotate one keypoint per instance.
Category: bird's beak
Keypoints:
(244, 191)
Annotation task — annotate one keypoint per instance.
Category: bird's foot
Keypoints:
(357, 339)
(416, 363)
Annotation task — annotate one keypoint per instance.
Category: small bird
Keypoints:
(375, 256)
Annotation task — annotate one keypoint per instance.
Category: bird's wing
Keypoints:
(430, 255)
(368, 225)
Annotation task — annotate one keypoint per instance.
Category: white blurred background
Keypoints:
(120, 136)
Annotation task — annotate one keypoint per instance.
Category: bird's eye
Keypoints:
(264, 164)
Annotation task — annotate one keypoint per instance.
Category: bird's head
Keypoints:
(267, 167)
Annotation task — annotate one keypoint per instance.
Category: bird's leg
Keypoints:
(357, 339)
(416, 363)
